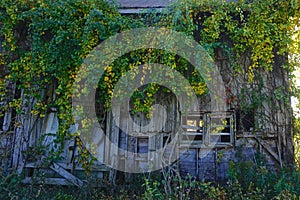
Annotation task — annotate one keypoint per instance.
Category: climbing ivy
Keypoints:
(44, 45)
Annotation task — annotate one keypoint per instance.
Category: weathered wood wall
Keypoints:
(20, 133)
(272, 135)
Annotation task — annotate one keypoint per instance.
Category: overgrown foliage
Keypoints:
(43, 45)
(262, 184)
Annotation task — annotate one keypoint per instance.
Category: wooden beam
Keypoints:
(268, 148)
(69, 166)
(48, 181)
(67, 175)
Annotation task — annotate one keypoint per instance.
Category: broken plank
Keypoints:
(267, 147)
(67, 175)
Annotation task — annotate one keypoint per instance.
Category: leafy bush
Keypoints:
(262, 181)
(9, 187)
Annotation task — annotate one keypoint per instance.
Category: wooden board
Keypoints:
(48, 181)
(68, 176)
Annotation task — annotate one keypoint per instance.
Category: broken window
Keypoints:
(220, 128)
(193, 126)
(208, 129)
(245, 120)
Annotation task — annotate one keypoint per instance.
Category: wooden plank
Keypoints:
(69, 148)
(48, 181)
(100, 146)
(168, 125)
(267, 147)
(70, 177)
(152, 158)
(187, 162)
(22, 133)
(123, 134)
(35, 130)
(7, 120)
(69, 166)
(51, 128)
(114, 145)
(108, 133)
(157, 118)
(128, 157)
(143, 123)
(11, 89)
(137, 123)
(151, 125)
(131, 149)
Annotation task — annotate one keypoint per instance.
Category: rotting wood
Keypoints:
(68, 176)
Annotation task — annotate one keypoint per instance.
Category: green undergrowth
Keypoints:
(262, 184)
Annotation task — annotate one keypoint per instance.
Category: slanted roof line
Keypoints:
(139, 10)
(144, 3)
(142, 6)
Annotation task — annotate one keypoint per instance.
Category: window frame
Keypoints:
(206, 131)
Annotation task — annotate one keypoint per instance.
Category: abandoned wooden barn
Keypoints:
(242, 137)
